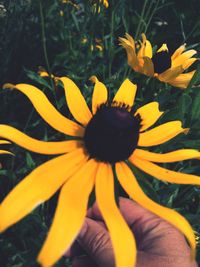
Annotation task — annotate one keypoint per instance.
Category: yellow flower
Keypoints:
(108, 137)
(162, 66)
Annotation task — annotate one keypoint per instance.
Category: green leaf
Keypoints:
(196, 108)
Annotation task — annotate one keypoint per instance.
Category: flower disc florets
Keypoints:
(112, 134)
(161, 61)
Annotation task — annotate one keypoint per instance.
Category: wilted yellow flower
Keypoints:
(109, 136)
(161, 65)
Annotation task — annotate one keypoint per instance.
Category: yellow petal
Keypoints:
(182, 80)
(189, 62)
(47, 111)
(35, 145)
(129, 45)
(122, 238)
(164, 174)
(170, 74)
(178, 155)
(70, 214)
(131, 40)
(76, 102)
(126, 93)
(39, 186)
(180, 60)
(131, 186)
(148, 67)
(178, 52)
(149, 114)
(100, 94)
(148, 52)
(4, 142)
(141, 52)
(6, 152)
(163, 48)
(161, 134)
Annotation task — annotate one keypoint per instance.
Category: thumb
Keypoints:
(94, 238)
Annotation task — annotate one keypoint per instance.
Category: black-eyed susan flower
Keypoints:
(163, 66)
(108, 137)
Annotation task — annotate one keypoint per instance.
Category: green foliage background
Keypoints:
(51, 34)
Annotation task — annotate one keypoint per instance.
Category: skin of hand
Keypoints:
(159, 244)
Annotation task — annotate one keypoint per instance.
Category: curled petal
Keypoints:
(148, 67)
(131, 186)
(35, 145)
(126, 93)
(70, 213)
(161, 134)
(129, 45)
(121, 237)
(149, 114)
(164, 174)
(178, 155)
(76, 102)
(47, 111)
(39, 186)
(100, 94)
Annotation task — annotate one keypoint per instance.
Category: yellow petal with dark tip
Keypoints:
(100, 94)
(38, 187)
(76, 102)
(42, 147)
(164, 174)
(47, 111)
(122, 239)
(70, 214)
(161, 134)
(178, 155)
(126, 93)
(133, 189)
(149, 114)
(183, 80)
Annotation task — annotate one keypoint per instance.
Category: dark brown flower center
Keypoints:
(112, 134)
(161, 61)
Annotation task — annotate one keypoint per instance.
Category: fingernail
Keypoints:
(83, 230)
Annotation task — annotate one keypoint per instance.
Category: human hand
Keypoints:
(159, 244)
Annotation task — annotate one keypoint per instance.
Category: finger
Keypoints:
(152, 233)
(95, 239)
